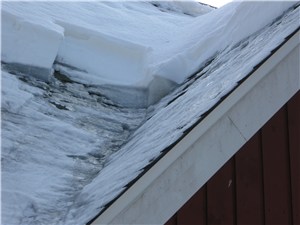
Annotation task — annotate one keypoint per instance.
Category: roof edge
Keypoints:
(228, 123)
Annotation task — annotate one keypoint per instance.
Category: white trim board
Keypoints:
(166, 186)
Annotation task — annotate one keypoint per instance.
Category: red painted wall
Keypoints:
(260, 184)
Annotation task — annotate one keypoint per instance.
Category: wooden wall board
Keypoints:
(249, 183)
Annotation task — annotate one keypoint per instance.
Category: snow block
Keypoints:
(29, 46)
(115, 61)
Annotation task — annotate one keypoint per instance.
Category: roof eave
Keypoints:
(167, 185)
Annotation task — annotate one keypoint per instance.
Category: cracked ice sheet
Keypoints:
(55, 139)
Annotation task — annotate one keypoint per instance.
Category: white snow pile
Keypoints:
(149, 46)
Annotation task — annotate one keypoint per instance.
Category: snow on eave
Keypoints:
(223, 119)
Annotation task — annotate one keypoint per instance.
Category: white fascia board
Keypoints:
(275, 93)
(165, 187)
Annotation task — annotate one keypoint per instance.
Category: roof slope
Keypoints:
(55, 138)
(91, 180)
(175, 115)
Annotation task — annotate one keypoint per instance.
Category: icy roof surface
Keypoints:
(67, 150)
(55, 139)
(180, 110)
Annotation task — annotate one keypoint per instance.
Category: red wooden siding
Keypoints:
(277, 190)
(294, 142)
(249, 191)
(260, 184)
(221, 196)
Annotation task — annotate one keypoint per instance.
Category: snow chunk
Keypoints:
(30, 45)
(111, 59)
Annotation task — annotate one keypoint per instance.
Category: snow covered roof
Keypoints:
(68, 150)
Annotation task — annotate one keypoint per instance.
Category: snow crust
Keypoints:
(68, 149)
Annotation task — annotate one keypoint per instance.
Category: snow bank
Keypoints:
(29, 46)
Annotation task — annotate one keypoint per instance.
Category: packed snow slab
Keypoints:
(113, 60)
(105, 42)
(29, 45)
(32, 47)
(134, 44)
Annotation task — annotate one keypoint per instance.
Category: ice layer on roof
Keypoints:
(181, 109)
(68, 150)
